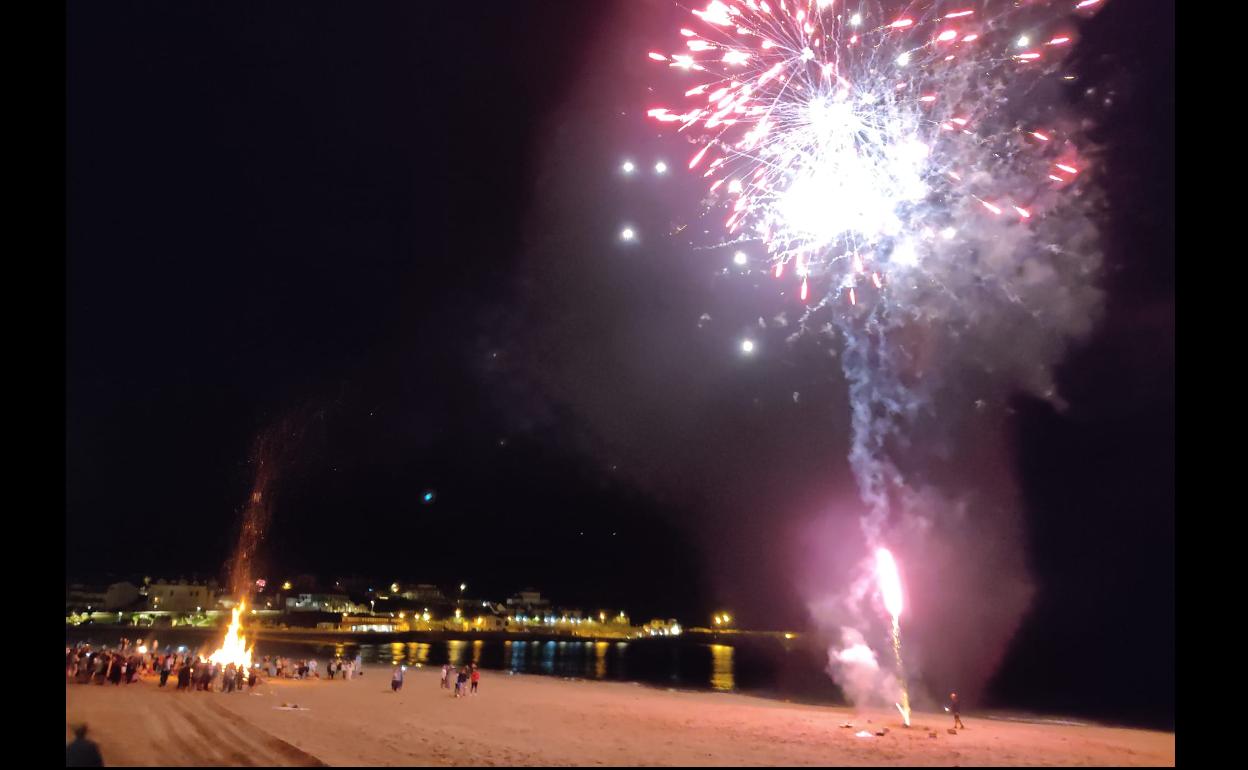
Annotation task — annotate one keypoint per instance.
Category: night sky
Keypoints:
(385, 234)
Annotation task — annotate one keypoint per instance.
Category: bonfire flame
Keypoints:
(890, 586)
(234, 649)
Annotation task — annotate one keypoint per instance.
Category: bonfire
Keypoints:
(234, 649)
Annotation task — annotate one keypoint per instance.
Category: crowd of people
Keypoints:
(129, 661)
(466, 677)
(289, 668)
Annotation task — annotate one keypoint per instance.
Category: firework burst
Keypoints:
(914, 170)
(856, 142)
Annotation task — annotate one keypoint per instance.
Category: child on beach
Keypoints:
(476, 677)
(446, 676)
(397, 682)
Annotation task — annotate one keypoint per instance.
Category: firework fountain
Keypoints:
(890, 587)
(918, 181)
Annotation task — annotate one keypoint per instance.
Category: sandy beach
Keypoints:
(533, 720)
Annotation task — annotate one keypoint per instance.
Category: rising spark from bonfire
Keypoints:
(234, 649)
(890, 586)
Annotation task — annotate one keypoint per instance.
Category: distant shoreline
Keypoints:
(330, 636)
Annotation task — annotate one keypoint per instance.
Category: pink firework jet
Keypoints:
(863, 143)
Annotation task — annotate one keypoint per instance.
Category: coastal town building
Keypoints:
(528, 602)
(180, 596)
(423, 592)
(320, 603)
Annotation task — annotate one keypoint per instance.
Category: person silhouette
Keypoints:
(82, 752)
(956, 709)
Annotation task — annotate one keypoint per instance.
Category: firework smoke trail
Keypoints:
(914, 168)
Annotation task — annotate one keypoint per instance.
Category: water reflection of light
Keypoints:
(516, 658)
(418, 653)
(455, 650)
(476, 650)
(396, 653)
(548, 658)
(721, 667)
(600, 660)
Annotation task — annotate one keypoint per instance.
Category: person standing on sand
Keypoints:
(358, 668)
(476, 678)
(165, 667)
(184, 675)
(82, 752)
(956, 709)
(446, 676)
(396, 683)
(240, 678)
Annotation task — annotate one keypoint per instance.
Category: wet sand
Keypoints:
(534, 720)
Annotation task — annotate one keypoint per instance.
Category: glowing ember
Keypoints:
(234, 649)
